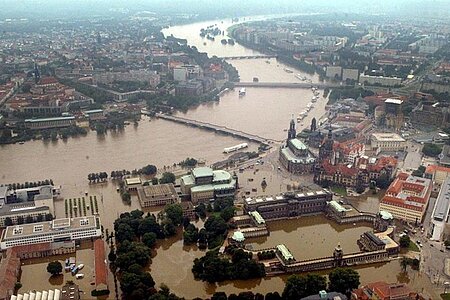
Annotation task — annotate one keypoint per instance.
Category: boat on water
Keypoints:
(288, 70)
(242, 92)
(235, 148)
(314, 99)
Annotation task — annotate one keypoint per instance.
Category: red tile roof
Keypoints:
(431, 169)
(101, 271)
(32, 248)
(9, 271)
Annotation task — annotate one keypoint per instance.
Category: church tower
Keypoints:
(338, 255)
(292, 133)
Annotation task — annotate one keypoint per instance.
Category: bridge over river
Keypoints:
(218, 128)
(293, 85)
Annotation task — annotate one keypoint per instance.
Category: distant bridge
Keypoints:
(291, 85)
(218, 128)
(248, 57)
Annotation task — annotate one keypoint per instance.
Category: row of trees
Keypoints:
(136, 234)
(15, 186)
(64, 133)
(118, 174)
(241, 266)
(97, 177)
(188, 162)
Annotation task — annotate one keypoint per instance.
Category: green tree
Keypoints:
(175, 213)
(343, 280)
(154, 181)
(149, 239)
(54, 267)
(404, 263)
(404, 241)
(167, 177)
(149, 170)
(112, 256)
(419, 172)
(432, 150)
(219, 296)
(383, 181)
(272, 296)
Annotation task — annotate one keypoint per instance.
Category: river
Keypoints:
(263, 111)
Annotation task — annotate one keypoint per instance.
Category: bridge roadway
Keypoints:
(248, 57)
(218, 128)
(293, 85)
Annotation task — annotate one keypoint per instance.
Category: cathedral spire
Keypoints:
(292, 133)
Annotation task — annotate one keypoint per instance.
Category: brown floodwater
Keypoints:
(262, 111)
(306, 237)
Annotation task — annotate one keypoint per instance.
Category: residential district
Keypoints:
(379, 157)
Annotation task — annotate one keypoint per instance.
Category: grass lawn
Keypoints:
(445, 296)
(413, 247)
(339, 190)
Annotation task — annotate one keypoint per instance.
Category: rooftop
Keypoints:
(441, 208)
(393, 101)
(151, 191)
(23, 208)
(298, 144)
(202, 172)
(49, 119)
(285, 252)
(25, 230)
(133, 181)
(291, 157)
(388, 137)
(101, 272)
(283, 197)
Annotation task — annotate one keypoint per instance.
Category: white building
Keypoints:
(380, 80)
(439, 217)
(58, 230)
(387, 142)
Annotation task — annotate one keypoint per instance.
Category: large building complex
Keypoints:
(26, 205)
(204, 185)
(387, 142)
(58, 230)
(289, 204)
(407, 197)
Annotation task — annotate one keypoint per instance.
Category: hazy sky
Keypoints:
(80, 8)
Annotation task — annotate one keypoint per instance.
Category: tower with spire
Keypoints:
(37, 74)
(292, 133)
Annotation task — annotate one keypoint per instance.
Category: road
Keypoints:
(433, 253)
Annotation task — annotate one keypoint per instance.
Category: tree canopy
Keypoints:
(54, 267)
(167, 177)
(343, 280)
